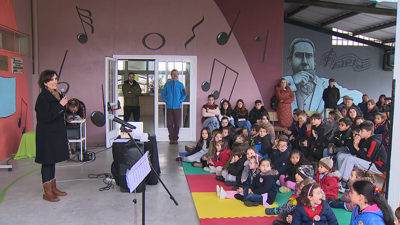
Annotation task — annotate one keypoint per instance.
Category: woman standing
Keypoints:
(285, 96)
(51, 134)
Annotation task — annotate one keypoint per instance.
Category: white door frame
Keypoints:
(111, 127)
(193, 90)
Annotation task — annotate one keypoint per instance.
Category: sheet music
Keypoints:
(138, 172)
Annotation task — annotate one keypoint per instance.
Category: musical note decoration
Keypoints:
(194, 27)
(258, 39)
(205, 86)
(82, 37)
(223, 37)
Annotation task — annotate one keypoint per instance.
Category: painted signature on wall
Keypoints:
(345, 60)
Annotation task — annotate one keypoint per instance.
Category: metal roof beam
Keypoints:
(390, 40)
(331, 32)
(375, 28)
(297, 10)
(347, 7)
(344, 16)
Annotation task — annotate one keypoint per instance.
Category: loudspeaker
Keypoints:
(127, 157)
(73, 132)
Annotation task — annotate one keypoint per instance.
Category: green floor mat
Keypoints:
(342, 216)
(190, 170)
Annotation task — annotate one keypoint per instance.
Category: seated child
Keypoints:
(254, 133)
(317, 141)
(200, 149)
(225, 123)
(263, 190)
(270, 127)
(372, 207)
(380, 123)
(216, 136)
(288, 180)
(250, 151)
(263, 142)
(221, 156)
(242, 138)
(345, 201)
(359, 120)
(227, 135)
(236, 166)
(313, 210)
(289, 207)
(256, 112)
(368, 147)
(342, 140)
(250, 179)
(280, 158)
(327, 179)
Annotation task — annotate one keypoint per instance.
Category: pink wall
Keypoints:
(119, 27)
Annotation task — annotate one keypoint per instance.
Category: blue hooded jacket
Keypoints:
(173, 94)
(370, 215)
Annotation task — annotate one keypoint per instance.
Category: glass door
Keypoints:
(111, 99)
(187, 75)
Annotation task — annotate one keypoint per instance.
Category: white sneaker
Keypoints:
(218, 190)
(342, 189)
(222, 193)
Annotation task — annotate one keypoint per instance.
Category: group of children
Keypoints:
(313, 158)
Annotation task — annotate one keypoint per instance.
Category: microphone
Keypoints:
(118, 120)
(62, 95)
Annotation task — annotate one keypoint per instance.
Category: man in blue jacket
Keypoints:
(173, 95)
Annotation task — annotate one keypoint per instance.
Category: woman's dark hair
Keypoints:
(242, 110)
(367, 189)
(280, 82)
(45, 77)
(307, 191)
(356, 109)
(211, 96)
(228, 111)
(208, 140)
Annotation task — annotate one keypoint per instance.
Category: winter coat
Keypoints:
(51, 134)
(329, 183)
(232, 128)
(265, 183)
(331, 96)
(342, 141)
(363, 106)
(371, 215)
(326, 217)
(237, 116)
(280, 161)
(370, 114)
(222, 159)
(173, 94)
(369, 148)
(131, 99)
(285, 108)
(255, 114)
(380, 129)
(318, 138)
(236, 169)
(250, 179)
(263, 145)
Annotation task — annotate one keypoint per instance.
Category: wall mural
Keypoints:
(7, 96)
(83, 38)
(194, 27)
(345, 60)
(205, 86)
(306, 85)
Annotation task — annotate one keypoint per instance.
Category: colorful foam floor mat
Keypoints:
(212, 210)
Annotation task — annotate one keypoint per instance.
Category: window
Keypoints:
(13, 41)
(341, 41)
(143, 70)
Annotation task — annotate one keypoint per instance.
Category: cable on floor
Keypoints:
(107, 179)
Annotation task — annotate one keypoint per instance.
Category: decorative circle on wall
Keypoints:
(205, 86)
(160, 35)
(82, 38)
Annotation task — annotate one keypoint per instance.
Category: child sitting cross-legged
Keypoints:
(236, 166)
(288, 180)
(313, 209)
(327, 179)
(221, 156)
(372, 208)
(263, 190)
(250, 179)
(280, 158)
(345, 201)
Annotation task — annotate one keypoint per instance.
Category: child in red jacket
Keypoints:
(327, 179)
(221, 157)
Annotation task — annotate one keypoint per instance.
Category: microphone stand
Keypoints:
(154, 171)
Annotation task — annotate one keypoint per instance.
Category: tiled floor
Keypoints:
(21, 194)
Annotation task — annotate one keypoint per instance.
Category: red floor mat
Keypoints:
(204, 183)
